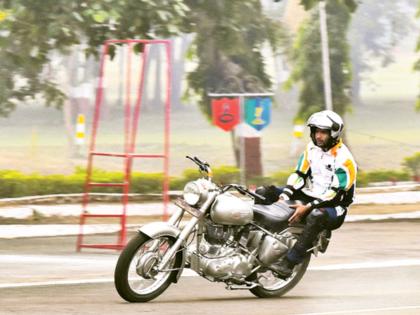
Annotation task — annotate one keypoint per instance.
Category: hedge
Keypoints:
(364, 178)
(16, 184)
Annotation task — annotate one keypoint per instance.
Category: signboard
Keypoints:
(225, 112)
(258, 112)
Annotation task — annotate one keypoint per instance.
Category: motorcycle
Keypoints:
(224, 238)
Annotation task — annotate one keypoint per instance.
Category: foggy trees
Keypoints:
(417, 64)
(31, 31)
(307, 61)
(376, 28)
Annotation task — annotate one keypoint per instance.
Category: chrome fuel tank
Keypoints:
(230, 210)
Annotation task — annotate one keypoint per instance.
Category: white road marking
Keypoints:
(53, 283)
(185, 273)
(370, 265)
(59, 259)
(366, 310)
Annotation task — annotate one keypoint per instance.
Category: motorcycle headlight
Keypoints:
(192, 193)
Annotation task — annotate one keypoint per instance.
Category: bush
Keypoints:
(260, 181)
(16, 184)
(224, 175)
(280, 178)
(412, 163)
(364, 178)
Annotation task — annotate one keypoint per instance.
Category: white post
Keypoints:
(325, 56)
(80, 130)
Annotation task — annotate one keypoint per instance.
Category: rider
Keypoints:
(324, 180)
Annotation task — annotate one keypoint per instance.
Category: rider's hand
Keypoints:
(283, 197)
(299, 213)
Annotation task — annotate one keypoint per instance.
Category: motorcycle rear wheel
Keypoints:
(136, 278)
(279, 286)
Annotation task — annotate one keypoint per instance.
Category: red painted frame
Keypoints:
(131, 127)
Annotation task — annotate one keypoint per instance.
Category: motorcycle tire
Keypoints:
(121, 274)
(290, 283)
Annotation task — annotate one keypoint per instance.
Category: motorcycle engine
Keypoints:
(220, 257)
(220, 262)
(218, 233)
(216, 258)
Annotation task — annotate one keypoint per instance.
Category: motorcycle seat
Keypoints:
(273, 217)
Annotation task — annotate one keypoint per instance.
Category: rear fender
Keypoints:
(158, 229)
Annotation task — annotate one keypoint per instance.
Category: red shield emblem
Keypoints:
(225, 112)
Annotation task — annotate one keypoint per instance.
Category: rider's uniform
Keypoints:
(327, 179)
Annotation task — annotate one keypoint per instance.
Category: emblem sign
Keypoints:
(258, 112)
(225, 112)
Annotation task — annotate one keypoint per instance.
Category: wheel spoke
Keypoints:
(142, 275)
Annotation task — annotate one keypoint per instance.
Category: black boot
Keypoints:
(283, 268)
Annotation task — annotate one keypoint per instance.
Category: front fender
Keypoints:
(157, 229)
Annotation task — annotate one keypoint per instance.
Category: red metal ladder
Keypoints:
(131, 125)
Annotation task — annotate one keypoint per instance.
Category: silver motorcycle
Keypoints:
(221, 236)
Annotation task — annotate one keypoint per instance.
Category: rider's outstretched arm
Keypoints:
(296, 180)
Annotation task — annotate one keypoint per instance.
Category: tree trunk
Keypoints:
(157, 97)
(178, 69)
(236, 148)
(68, 123)
(355, 85)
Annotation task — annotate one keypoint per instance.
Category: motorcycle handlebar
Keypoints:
(203, 165)
(244, 191)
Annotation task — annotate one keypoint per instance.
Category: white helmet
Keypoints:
(327, 120)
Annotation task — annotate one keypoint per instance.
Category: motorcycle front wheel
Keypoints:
(272, 286)
(136, 276)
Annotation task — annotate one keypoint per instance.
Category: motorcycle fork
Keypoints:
(174, 220)
(176, 217)
(186, 231)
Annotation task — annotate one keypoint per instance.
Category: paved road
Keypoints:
(370, 268)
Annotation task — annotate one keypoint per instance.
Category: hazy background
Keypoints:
(381, 131)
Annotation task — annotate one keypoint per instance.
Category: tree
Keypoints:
(351, 5)
(412, 163)
(31, 30)
(367, 43)
(417, 64)
(228, 46)
(230, 36)
(307, 61)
